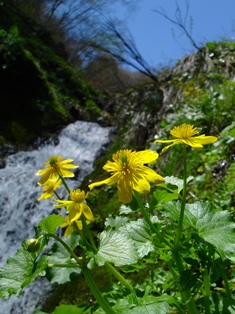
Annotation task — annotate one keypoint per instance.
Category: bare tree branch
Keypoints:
(179, 21)
(125, 51)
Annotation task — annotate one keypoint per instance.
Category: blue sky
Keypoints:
(212, 20)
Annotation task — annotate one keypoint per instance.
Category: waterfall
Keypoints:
(19, 209)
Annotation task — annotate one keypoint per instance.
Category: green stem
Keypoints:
(186, 293)
(228, 292)
(107, 264)
(64, 265)
(87, 231)
(180, 224)
(207, 291)
(67, 248)
(96, 292)
(64, 183)
(116, 273)
(57, 195)
(146, 217)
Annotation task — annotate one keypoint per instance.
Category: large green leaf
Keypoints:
(140, 233)
(59, 255)
(68, 309)
(19, 271)
(50, 223)
(174, 184)
(116, 247)
(148, 304)
(163, 196)
(154, 308)
(212, 224)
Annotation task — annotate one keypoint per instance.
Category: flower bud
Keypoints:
(32, 245)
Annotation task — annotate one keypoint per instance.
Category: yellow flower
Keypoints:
(56, 166)
(70, 225)
(185, 134)
(75, 206)
(49, 188)
(129, 172)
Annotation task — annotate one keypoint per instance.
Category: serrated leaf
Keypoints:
(39, 270)
(171, 182)
(117, 248)
(163, 196)
(212, 224)
(124, 209)
(70, 309)
(59, 255)
(115, 222)
(148, 304)
(154, 308)
(18, 272)
(50, 223)
(139, 232)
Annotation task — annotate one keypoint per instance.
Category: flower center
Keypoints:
(53, 160)
(77, 196)
(184, 131)
(125, 164)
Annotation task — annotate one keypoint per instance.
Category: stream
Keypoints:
(19, 209)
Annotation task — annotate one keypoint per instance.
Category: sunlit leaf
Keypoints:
(140, 233)
(153, 308)
(50, 223)
(117, 248)
(115, 222)
(212, 224)
(124, 209)
(70, 309)
(163, 196)
(59, 255)
(19, 271)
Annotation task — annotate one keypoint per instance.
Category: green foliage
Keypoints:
(50, 223)
(59, 256)
(41, 83)
(211, 224)
(20, 270)
(176, 252)
(68, 309)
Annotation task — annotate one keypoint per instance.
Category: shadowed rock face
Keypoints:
(20, 210)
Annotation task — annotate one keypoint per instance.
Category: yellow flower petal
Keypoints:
(66, 161)
(129, 172)
(87, 212)
(205, 140)
(79, 224)
(69, 230)
(143, 187)
(75, 212)
(110, 181)
(65, 223)
(55, 167)
(63, 203)
(147, 156)
(185, 134)
(152, 176)
(124, 191)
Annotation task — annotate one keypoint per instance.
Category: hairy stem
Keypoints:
(185, 293)
(67, 248)
(180, 224)
(96, 292)
(88, 233)
(146, 217)
(116, 273)
(207, 290)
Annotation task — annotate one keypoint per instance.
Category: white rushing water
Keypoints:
(19, 208)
